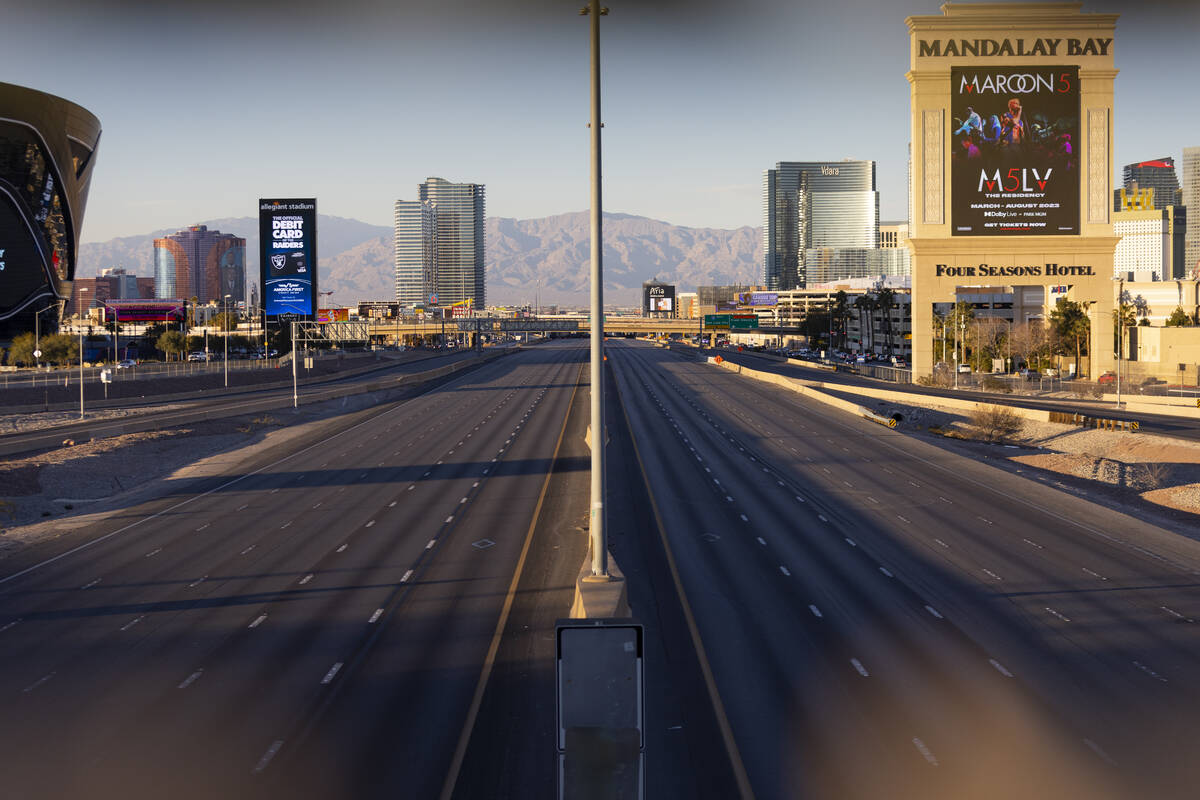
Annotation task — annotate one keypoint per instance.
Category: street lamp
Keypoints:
(225, 325)
(82, 306)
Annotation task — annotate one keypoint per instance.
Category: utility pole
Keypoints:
(597, 531)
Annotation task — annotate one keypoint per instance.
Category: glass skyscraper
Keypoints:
(415, 250)
(458, 210)
(1158, 175)
(1191, 199)
(823, 215)
(197, 262)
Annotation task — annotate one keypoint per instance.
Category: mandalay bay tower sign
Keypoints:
(1012, 109)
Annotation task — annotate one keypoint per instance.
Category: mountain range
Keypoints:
(545, 260)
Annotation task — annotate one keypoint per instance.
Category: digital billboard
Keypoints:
(143, 310)
(1014, 163)
(287, 232)
(658, 298)
(759, 298)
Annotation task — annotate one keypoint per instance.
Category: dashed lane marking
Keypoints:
(934, 612)
(815, 611)
(861, 669)
(332, 671)
(259, 620)
(190, 679)
(1000, 668)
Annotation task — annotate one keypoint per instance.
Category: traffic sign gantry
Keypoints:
(716, 321)
(743, 322)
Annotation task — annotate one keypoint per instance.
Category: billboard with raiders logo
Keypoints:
(287, 235)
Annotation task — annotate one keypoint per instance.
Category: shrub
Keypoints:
(994, 423)
(993, 384)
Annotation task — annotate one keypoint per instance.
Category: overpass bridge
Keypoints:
(425, 331)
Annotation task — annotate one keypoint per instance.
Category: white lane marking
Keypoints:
(1033, 543)
(925, 751)
(985, 519)
(342, 548)
(242, 507)
(205, 525)
(729, 498)
(392, 504)
(902, 519)
(951, 502)
(1057, 614)
(460, 502)
(994, 575)
(37, 683)
(413, 486)
(826, 470)
(717, 482)
(1149, 671)
(9, 625)
(943, 544)
(475, 485)
(873, 500)
(132, 622)
(822, 518)
(196, 583)
(1098, 750)
(88, 585)
(306, 578)
(449, 519)
(888, 471)
(190, 679)
(1000, 668)
(934, 612)
(375, 617)
(247, 550)
(369, 524)
(318, 505)
(885, 572)
(914, 483)
(706, 469)
(744, 518)
(154, 552)
(258, 621)
(861, 669)
(762, 541)
(407, 575)
(1172, 612)
(784, 570)
(332, 671)
(851, 542)
(267, 756)
(284, 525)
(816, 611)
(432, 542)
(1094, 574)
(764, 468)
(799, 499)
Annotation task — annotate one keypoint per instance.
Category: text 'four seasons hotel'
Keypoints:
(1012, 141)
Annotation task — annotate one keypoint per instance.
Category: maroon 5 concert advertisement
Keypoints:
(1014, 138)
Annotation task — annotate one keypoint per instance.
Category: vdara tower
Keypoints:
(1012, 142)
(47, 152)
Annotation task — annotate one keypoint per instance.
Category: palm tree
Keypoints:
(864, 305)
(1071, 321)
(885, 299)
(841, 313)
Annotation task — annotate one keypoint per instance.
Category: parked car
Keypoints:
(127, 363)
(197, 356)
(1107, 378)
(1050, 372)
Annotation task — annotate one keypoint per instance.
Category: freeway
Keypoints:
(313, 623)
(886, 618)
(1163, 424)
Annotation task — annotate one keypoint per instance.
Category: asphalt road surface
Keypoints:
(886, 618)
(1186, 427)
(314, 624)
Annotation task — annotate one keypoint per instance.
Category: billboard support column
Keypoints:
(295, 389)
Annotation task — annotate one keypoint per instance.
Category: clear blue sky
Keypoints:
(207, 106)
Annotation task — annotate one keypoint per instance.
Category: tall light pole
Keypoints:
(225, 325)
(82, 306)
(1120, 332)
(599, 536)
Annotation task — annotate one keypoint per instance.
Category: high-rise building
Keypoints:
(1158, 175)
(197, 262)
(823, 215)
(1151, 244)
(415, 252)
(1191, 199)
(459, 218)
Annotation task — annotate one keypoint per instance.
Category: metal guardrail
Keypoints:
(25, 379)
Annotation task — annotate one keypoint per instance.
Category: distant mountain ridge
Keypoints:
(544, 259)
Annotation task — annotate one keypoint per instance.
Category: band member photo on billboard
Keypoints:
(1013, 138)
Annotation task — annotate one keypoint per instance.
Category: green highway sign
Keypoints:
(716, 321)
(743, 322)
